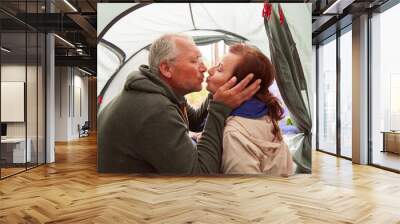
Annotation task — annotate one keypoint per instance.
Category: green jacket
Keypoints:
(142, 130)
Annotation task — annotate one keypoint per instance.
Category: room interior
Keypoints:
(50, 98)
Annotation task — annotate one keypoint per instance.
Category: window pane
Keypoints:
(346, 94)
(31, 100)
(14, 146)
(385, 89)
(327, 97)
(41, 98)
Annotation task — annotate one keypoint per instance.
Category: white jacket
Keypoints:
(248, 148)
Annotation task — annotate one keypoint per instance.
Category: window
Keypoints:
(346, 94)
(327, 97)
(385, 89)
(22, 65)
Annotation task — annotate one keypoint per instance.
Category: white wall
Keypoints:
(12, 73)
(33, 126)
(61, 103)
(71, 94)
(79, 117)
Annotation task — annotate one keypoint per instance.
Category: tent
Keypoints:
(125, 32)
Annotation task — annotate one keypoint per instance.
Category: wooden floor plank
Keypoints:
(71, 191)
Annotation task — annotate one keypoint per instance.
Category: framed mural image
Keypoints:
(185, 89)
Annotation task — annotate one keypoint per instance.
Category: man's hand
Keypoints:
(232, 95)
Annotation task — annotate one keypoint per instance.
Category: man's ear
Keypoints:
(165, 69)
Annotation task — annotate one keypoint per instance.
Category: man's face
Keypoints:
(187, 69)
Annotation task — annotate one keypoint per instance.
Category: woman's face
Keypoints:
(222, 72)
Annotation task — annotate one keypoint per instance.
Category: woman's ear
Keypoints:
(165, 70)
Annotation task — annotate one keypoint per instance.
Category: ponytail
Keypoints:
(275, 112)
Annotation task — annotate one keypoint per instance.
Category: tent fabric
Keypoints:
(242, 19)
(291, 83)
(137, 29)
(109, 12)
(206, 40)
(176, 17)
(108, 63)
(117, 83)
(134, 30)
(210, 39)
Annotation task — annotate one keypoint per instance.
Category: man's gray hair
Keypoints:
(164, 48)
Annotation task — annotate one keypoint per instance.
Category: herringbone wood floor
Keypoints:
(71, 191)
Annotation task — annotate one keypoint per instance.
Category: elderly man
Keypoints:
(145, 128)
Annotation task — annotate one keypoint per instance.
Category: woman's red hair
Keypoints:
(254, 61)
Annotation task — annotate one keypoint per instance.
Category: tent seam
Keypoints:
(191, 15)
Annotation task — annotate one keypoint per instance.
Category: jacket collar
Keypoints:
(253, 108)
